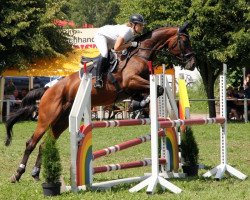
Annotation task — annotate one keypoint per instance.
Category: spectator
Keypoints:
(247, 90)
(231, 106)
(230, 92)
(24, 92)
(236, 93)
(247, 94)
(247, 79)
(16, 94)
(9, 92)
(241, 93)
(16, 104)
(9, 88)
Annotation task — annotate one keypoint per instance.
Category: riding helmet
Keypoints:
(137, 18)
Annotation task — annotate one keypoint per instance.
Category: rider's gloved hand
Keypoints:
(134, 44)
(124, 52)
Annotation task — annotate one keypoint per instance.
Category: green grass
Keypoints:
(193, 188)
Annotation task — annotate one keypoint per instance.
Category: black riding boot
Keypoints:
(101, 63)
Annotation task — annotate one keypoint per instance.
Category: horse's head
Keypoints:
(173, 39)
(180, 46)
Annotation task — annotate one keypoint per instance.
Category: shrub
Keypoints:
(189, 148)
(51, 162)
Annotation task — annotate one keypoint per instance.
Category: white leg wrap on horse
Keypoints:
(22, 166)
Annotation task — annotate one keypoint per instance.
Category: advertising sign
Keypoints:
(82, 38)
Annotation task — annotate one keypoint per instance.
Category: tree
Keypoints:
(27, 32)
(157, 13)
(220, 35)
(98, 13)
(219, 31)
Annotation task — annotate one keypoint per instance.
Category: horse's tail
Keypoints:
(22, 114)
(33, 96)
(25, 112)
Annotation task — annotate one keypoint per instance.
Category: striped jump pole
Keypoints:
(127, 165)
(118, 123)
(125, 122)
(191, 122)
(124, 145)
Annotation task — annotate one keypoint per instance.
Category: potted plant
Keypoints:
(189, 152)
(51, 167)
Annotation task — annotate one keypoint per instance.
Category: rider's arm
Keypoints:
(119, 44)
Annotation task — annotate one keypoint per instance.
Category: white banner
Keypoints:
(82, 38)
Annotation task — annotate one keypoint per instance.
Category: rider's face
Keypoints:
(139, 28)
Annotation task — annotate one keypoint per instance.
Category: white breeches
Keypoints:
(101, 44)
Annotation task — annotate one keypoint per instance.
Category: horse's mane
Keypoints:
(149, 33)
(143, 36)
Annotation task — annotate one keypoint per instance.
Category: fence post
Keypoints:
(2, 82)
(245, 98)
(220, 170)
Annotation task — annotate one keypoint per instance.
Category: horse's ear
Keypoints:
(183, 28)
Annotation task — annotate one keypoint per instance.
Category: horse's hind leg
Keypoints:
(30, 146)
(46, 117)
(57, 128)
(36, 169)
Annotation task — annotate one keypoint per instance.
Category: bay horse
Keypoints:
(132, 77)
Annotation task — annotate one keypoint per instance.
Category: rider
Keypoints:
(117, 37)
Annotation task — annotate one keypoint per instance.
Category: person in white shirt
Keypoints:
(117, 37)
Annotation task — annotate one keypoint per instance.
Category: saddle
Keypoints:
(92, 63)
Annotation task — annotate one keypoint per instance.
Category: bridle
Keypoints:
(184, 57)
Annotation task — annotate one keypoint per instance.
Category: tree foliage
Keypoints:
(27, 32)
(156, 13)
(219, 31)
(220, 35)
(98, 13)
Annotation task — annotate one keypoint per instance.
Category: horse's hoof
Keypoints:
(36, 178)
(35, 173)
(13, 179)
(7, 142)
(160, 90)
